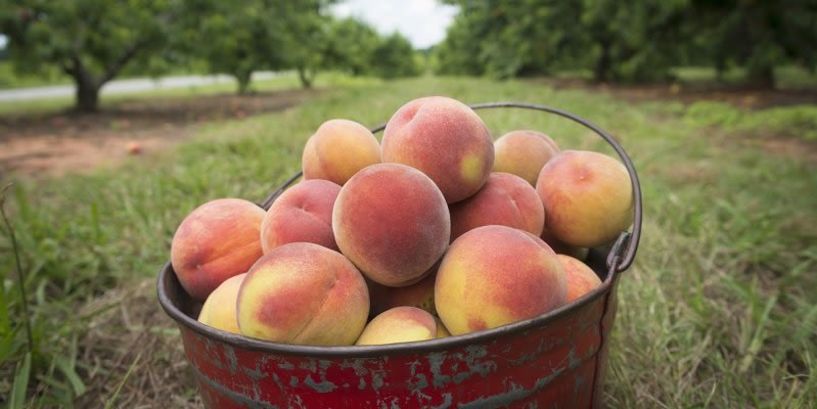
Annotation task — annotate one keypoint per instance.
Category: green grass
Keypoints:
(717, 312)
(787, 77)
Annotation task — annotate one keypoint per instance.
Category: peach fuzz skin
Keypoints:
(523, 153)
(392, 222)
(303, 293)
(446, 140)
(338, 150)
(302, 213)
(399, 324)
(587, 198)
(219, 310)
(581, 279)
(506, 200)
(216, 241)
(496, 275)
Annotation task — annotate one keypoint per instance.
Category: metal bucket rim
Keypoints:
(354, 351)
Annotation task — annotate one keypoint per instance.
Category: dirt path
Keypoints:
(55, 144)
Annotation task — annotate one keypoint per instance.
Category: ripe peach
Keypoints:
(303, 293)
(446, 140)
(581, 279)
(420, 295)
(338, 150)
(506, 200)
(302, 213)
(399, 324)
(219, 310)
(442, 332)
(496, 275)
(216, 241)
(587, 197)
(392, 222)
(523, 153)
(562, 248)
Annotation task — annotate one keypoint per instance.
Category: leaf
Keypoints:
(67, 369)
(18, 391)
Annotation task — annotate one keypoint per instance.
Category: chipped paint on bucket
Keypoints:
(554, 361)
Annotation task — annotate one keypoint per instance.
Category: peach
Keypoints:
(301, 213)
(420, 295)
(562, 248)
(338, 150)
(581, 279)
(506, 200)
(216, 241)
(399, 324)
(392, 222)
(587, 198)
(446, 140)
(219, 310)
(523, 153)
(496, 275)
(442, 332)
(303, 293)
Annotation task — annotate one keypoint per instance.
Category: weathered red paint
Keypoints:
(556, 365)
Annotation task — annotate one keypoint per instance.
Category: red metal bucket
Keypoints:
(556, 360)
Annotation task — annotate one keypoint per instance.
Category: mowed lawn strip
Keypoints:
(717, 312)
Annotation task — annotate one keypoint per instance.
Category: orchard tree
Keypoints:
(507, 39)
(349, 46)
(633, 40)
(394, 58)
(91, 41)
(758, 35)
(307, 33)
(237, 38)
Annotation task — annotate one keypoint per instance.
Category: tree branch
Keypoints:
(120, 62)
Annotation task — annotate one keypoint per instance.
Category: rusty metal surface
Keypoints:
(556, 365)
(547, 367)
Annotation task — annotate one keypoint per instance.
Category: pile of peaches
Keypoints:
(436, 231)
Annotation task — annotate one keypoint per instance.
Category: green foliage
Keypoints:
(89, 40)
(394, 58)
(236, 38)
(350, 44)
(758, 35)
(619, 40)
(307, 32)
(627, 41)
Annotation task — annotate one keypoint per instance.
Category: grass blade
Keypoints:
(21, 376)
(110, 403)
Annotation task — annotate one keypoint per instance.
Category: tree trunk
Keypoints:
(762, 76)
(305, 77)
(244, 79)
(602, 71)
(87, 95)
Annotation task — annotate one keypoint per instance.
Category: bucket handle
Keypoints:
(622, 253)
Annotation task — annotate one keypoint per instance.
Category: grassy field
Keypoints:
(717, 312)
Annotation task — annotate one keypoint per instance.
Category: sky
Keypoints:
(423, 22)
